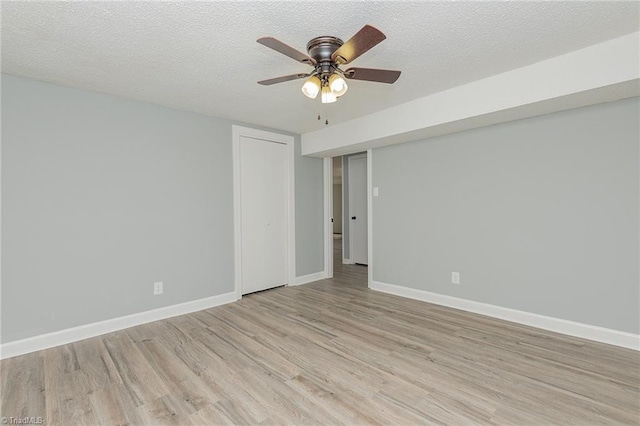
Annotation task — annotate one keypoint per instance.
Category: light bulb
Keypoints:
(338, 85)
(327, 95)
(311, 87)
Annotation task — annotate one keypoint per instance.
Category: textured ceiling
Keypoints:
(203, 56)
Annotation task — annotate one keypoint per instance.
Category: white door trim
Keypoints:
(237, 132)
(370, 217)
(328, 191)
(328, 214)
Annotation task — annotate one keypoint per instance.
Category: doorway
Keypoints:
(347, 240)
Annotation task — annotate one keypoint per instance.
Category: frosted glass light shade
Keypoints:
(311, 87)
(328, 96)
(338, 85)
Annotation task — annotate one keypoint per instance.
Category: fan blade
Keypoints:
(287, 50)
(276, 80)
(364, 40)
(372, 74)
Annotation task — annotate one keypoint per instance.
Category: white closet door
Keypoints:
(358, 251)
(275, 176)
(263, 183)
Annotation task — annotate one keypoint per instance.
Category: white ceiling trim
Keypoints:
(603, 72)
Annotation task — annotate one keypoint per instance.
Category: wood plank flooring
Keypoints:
(331, 352)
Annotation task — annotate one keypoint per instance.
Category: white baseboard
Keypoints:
(69, 335)
(306, 279)
(571, 328)
(346, 261)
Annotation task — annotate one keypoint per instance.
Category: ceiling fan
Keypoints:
(326, 55)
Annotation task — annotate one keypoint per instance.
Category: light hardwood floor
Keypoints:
(331, 352)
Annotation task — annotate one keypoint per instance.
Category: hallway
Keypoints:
(346, 275)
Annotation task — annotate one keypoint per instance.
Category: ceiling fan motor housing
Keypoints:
(321, 49)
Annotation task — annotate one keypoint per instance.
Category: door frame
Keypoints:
(328, 203)
(237, 133)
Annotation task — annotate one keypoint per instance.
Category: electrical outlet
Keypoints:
(158, 288)
(455, 278)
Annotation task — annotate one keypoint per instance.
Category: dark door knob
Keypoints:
(353, 218)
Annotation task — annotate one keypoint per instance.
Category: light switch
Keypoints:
(375, 191)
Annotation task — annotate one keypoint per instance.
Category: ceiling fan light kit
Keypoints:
(326, 54)
(331, 88)
(311, 87)
(328, 97)
(338, 85)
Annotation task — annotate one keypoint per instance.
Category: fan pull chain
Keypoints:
(326, 121)
(326, 115)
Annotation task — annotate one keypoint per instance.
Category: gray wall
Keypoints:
(309, 214)
(337, 208)
(102, 196)
(539, 215)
